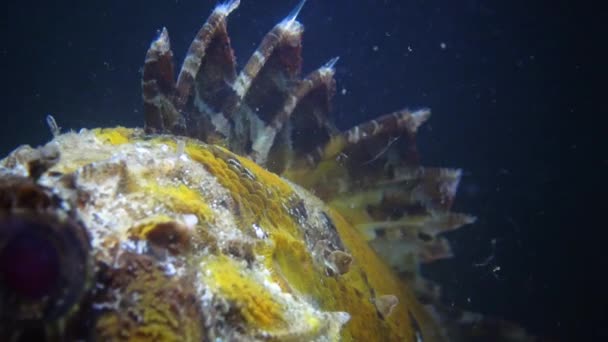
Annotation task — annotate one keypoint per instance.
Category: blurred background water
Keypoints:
(509, 82)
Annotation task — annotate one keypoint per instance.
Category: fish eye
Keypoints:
(29, 263)
(44, 265)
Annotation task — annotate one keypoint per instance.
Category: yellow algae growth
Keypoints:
(192, 242)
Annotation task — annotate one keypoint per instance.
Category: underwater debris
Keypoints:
(55, 129)
(221, 220)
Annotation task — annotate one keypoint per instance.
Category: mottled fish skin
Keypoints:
(179, 240)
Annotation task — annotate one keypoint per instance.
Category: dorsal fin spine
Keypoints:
(197, 50)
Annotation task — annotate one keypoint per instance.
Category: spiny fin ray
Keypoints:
(321, 81)
(158, 87)
(293, 15)
(228, 6)
(331, 63)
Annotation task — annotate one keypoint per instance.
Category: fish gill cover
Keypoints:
(240, 211)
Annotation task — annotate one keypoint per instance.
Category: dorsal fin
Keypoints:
(158, 87)
(371, 174)
(306, 109)
(209, 59)
(368, 152)
(285, 35)
(361, 138)
(204, 82)
(265, 82)
(191, 105)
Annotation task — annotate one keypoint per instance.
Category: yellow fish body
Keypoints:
(239, 212)
(191, 242)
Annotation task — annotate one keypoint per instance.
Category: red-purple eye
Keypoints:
(29, 264)
(45, 265)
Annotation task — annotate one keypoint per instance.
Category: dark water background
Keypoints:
(509, 83)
